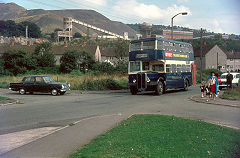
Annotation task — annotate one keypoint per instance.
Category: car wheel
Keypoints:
(159, 88)
(185, 85)
(22, 91)
(62, 93)
(133, 90)
(54, 92)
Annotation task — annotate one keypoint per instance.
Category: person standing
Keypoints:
(219, 82)
(202, 87)
(214, 84)
(229, 80)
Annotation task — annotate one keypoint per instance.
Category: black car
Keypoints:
(40, 83)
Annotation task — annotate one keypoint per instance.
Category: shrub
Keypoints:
(69, 61)
(44, 55)
(103, 67)
(206, 73)
(18, 62)
(102, 84)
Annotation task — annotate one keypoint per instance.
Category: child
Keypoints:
(208, 90)
(202, 87)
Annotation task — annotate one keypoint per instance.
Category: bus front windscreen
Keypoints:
(135, 46)
(134, 66)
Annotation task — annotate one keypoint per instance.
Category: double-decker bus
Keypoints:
(157, 64)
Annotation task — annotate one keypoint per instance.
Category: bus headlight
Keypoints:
(148, 80)
(134, 81)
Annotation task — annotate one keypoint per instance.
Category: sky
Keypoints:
(220, 16)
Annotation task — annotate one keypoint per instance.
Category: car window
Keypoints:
(28, 79)
(39, 79)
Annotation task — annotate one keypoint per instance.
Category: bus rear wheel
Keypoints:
(133, 90)
(159, 88)
(185, 85)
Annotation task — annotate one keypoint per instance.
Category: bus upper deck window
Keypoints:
(158, 67)
(160, 45)
(148, 45)
(145, 66)
(135, 46)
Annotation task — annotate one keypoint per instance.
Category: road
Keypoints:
(44, 110)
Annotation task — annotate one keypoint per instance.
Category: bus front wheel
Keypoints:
(159, 88)
(133, 90)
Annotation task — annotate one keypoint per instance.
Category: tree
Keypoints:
(77, 35)
(18, 61)
(121, 48)
(76, 60)
(69, 61)
(33, 30)
(44, 55)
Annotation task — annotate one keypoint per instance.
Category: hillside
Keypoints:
(48, 20)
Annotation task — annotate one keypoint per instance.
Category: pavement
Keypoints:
(217, 101)
(65, 141)
(73, 120)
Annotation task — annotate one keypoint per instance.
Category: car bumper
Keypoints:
(14, 89)
(64, 89)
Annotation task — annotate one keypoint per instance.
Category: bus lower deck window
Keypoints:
(168, 68)
(158, 67)
(179, 68)
(145, 66)
(174, 68)
(188, 68)
(134, 66)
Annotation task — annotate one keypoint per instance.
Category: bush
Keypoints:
(44, 55)
(206, 73)
(122, 67)
(72, 60)
(18, 62)
(76, 72)
(103, 84)
(103, 67)
(233, 94)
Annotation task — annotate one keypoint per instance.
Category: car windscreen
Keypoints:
(223, 76)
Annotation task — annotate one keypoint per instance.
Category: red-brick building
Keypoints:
(177, 35)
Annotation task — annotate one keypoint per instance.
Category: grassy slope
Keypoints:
(3, 98)
(82, 82)
(164, 136)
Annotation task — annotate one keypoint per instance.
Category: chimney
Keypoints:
(12, 42)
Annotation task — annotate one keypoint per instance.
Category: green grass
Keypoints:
(163, 136)
(3, 98)
(233, 94)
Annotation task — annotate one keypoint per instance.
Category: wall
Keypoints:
(211, 59)
(233, 64)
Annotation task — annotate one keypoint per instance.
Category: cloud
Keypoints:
(94, 3)
(148, 12)
(182, 1)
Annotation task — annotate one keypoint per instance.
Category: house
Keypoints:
(233, 61)
(213, 57)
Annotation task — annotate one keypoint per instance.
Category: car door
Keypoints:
(39, 84)
(28, 84)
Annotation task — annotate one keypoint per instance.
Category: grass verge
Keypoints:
(3, 98)
(81, 82)
(163, 136)
(233, 94)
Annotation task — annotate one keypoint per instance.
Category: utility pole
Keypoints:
(217, 61)
(26, 32)
(201, 32)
